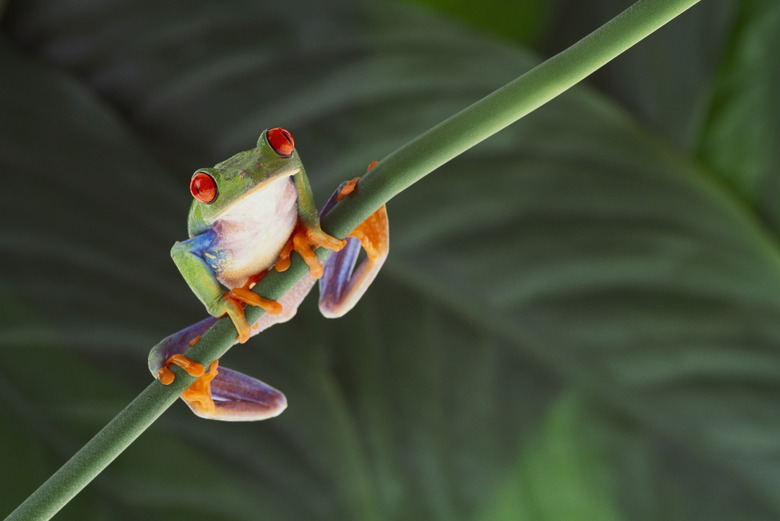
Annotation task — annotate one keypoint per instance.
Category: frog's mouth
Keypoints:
(262, 195)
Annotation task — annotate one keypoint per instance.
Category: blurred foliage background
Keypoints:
(579, 319)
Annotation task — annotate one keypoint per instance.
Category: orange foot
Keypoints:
(303, 240)
(372, 233)
(244, 295)
(197, 395)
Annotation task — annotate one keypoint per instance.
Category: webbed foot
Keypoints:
(197, 395)
(303, 240)
(232, 303)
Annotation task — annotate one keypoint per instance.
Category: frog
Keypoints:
(249, 214)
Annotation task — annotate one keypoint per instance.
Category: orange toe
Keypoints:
(253, 299)
(349, 187)
(166, 376)
(284, 257)
(304, 248)
(317, 237)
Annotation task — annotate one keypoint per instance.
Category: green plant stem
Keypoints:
(448, 139)
(392, 175)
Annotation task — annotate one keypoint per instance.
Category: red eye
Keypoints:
(203, 187)
(281, 141)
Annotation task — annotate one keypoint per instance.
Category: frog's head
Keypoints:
(244, 177)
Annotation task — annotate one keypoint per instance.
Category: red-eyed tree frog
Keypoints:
(248, 214)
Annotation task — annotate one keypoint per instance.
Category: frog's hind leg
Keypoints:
(342, 285)
(219, 393)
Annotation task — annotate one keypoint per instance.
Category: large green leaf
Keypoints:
(577, 308)
(563, 474)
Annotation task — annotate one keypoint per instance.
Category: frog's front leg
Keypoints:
(307, 234)
(191, 257)
(219, 393)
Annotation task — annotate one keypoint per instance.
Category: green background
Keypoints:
(579, 318)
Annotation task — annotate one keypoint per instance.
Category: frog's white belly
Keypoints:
(252, 233)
